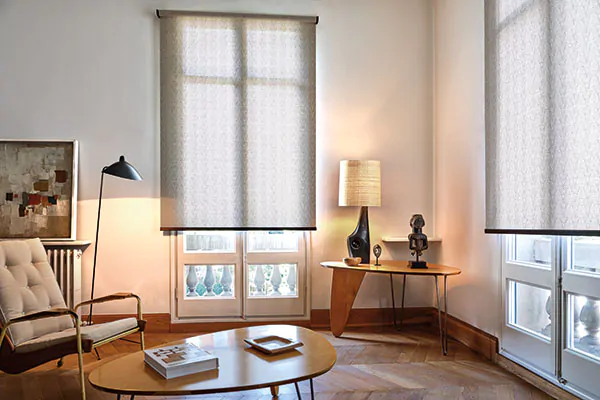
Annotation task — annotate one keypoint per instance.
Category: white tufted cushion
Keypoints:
(28, 285)
(95, 333)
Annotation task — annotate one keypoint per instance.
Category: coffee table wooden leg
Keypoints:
(344, 288)
(274, 391)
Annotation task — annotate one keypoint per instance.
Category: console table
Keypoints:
(347, 280)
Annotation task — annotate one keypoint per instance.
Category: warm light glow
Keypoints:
(360, 183)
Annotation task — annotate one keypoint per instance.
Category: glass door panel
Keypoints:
(276, 270)
(528, 334)
(530, 309)
(209, 274)
(581, 294)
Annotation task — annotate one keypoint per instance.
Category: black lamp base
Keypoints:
(359, 243)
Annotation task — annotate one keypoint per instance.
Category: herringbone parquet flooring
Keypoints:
(372, 364)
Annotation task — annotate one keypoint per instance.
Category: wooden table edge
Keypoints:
(214, 390)
(211, 391)
(409, 271)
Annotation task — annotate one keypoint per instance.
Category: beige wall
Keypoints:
(460, 163)
(88, 70)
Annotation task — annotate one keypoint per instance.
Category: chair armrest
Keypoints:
(54, 312)
(113, 297)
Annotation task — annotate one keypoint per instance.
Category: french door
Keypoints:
(528, 276)
(580, 351)
(275, 274)
(551, 301)
(209, 270)
(241, 274)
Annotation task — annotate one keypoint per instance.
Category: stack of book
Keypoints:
(180, 360)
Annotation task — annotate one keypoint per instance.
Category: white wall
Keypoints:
(87, 70)
(460, 164)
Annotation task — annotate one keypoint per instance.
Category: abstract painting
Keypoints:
(38, 189)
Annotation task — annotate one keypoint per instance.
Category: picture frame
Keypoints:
(38, 189)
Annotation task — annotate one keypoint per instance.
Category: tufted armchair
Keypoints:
(37, 325)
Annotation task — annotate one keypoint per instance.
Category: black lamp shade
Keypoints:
(123, 169)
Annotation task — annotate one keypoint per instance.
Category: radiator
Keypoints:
(65, 260)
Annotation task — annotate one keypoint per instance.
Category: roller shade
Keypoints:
(542, 117)
(237, 122)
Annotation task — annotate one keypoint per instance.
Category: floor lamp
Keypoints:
(120, 169)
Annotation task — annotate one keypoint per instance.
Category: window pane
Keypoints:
(207, 157)
(268, 280)
(279, 140)
(205, 281)
(530, 308)
(209, 242)
(508, 8)
(274, 241)
(532, 249)
(210, 49)
(275, 52)
(584, 325)
(586, 254)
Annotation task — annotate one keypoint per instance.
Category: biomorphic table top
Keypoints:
(240, 367)
(396, 267)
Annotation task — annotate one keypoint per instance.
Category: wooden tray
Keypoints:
(273, 344)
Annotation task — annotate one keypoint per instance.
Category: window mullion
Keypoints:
(558, 265)
(243, 87)
(244, 273)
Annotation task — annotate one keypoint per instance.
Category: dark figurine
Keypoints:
(377, 252)
(417, 241)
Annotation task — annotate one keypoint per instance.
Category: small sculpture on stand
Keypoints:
(377, 253)
(417, 241)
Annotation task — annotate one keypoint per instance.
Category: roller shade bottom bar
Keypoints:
(550, 232)
(239, 228)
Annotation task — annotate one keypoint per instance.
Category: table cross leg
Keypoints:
(312, 390)
(394, 302)
(444, 328)
(446, 313)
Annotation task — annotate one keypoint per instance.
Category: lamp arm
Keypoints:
(96, 245)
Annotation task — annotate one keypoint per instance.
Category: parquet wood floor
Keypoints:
(372, 364)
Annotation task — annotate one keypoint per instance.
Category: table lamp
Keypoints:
(120, 169)
(360, 186)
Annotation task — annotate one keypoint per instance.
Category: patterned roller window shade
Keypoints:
(237, 123)
(542, 117)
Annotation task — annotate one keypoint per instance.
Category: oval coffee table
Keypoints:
(240, 367)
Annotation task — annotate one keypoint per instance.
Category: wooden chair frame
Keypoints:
(56, 312)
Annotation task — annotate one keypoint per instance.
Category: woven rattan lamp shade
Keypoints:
(360, 183)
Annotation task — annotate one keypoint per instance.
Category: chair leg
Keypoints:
(80, 362)
(142, 344)
(97, 354)
(59, 363)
